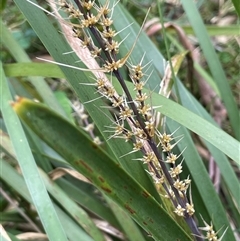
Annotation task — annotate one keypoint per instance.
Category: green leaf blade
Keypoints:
(26, 161)
(214, 64)
(98, 167)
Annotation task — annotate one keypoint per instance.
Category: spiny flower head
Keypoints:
(211, 235)
(70, 9)
(137, 73)
(135, 120)
(113, 46)
(141, 97)
(143, 110)
(180, 185)
(117, 102)
(165, 138)
(138, 132)
(190, 209)
(175, 171)
(106, 22)
(150, 127)
(149, 157)
(179, 211)
(109, 33)
(125, 113)
(101, 83)
(119, 129)
(139, 85)
(89, 21)
(88, 4)
(137, 145)
(113, 65)
(171, 158)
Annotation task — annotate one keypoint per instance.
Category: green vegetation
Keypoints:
(103, 138)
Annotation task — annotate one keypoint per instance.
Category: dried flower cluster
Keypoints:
(135, 121)
(83, 120)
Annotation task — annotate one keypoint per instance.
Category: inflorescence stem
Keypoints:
(133, 110)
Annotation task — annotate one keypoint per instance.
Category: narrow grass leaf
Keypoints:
(88, 201)
(227, 171)
(73, 230)
(213, 63)
(26, 161)
(207, 77)
(33, 69)
(214, 30)
(76, 212)
(129, 227)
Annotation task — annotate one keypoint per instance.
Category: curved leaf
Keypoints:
(214, 64)
(100, 169)
(28, 166)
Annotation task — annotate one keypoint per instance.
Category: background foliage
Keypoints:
(71, 207)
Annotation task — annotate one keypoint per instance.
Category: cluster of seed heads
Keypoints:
(135, 120)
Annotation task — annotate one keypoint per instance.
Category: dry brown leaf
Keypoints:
(106, 227)
(60, 171)
(32, 236)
